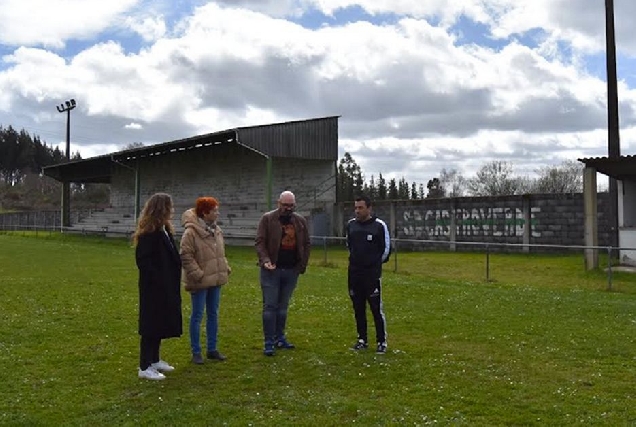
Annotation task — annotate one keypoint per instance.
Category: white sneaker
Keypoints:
(151, 374)
(162, 366)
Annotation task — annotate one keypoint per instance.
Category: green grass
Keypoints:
(543, 342)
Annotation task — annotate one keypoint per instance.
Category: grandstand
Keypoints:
(245, 168)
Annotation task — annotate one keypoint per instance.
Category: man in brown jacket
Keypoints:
(282, 245)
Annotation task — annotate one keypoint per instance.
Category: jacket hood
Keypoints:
(189, 216)
(189, 219)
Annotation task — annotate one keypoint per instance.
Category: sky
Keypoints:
(419, 85)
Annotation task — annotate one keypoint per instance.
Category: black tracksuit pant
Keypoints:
(365, 287)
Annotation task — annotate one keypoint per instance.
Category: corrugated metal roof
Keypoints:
(315, 138)
(307, 139)
(621, 168)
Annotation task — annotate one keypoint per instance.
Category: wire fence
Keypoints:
(486, 249)
(397, 245)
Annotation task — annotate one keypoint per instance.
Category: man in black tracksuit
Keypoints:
(369, 246)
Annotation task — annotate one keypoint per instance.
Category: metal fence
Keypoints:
(485, 248)
(327, 242)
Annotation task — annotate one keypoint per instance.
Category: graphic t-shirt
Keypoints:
(287, 251)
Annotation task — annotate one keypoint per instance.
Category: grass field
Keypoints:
(544, 343)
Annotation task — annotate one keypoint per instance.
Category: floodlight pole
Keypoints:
(613, 140)
(67, 106)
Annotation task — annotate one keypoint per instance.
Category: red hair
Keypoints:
(204, 205)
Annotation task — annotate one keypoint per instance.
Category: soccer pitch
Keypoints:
(543, 343)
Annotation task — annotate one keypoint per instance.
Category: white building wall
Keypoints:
(627, 221)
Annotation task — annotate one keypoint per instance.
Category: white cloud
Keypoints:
(276, 8)
(149, 28)
(412, 100)
(52, 22)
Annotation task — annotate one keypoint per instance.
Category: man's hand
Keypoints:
(268, 265)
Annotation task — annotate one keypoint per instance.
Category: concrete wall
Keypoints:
(627, 221)
(535, 219)
(627, 204)
(551, 219)
(627, 239)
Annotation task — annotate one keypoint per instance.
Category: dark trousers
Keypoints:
(148, 351)
(365, 290)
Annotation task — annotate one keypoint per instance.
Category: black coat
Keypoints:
(159, 267)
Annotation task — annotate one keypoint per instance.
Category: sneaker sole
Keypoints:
(143, 377)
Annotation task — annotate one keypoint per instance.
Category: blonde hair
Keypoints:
(155, 215)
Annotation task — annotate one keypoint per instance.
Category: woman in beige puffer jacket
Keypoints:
(205, 270)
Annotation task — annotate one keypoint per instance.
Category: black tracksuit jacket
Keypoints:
(369, 246)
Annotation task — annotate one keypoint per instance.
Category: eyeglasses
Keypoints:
(288, 205)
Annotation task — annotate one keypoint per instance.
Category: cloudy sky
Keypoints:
(420, 85)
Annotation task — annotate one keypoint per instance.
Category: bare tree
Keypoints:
(495, 178)
(525, 185)
(564, 178)
(453, 183)
(132, 146)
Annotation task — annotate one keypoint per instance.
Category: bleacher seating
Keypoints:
(239, 223)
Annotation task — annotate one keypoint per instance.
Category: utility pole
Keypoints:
(613, 140)
(67, 106)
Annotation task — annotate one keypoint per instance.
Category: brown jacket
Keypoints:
(202, 254)
(268, 238)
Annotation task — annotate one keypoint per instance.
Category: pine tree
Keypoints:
(382, 190)
(393, 190)
(414, 195)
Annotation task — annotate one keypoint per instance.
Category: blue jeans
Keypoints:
(277, 286)
(208, 300)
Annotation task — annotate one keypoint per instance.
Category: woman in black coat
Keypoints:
(159, 265)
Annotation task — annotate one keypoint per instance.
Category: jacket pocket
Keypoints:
(223, 278)
(195, 276)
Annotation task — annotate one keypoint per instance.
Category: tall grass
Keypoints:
(542, 343)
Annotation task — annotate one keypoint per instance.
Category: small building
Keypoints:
(623, 169)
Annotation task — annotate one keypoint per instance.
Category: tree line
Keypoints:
(21, 155)
(494, 178)
(23, 186)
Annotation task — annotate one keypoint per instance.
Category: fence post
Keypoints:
(487, 263)
(394, 254)
(609, 268)
(324, 245)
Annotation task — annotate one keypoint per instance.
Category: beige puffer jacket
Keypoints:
(202, 254)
